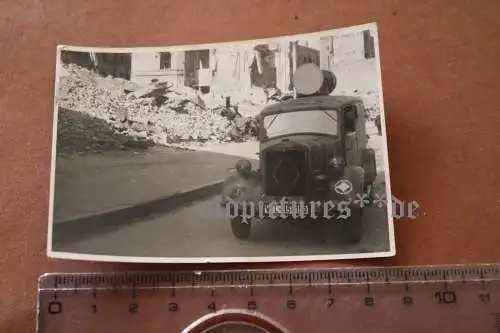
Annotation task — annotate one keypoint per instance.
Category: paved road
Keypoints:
(93, 184)
(198, 231)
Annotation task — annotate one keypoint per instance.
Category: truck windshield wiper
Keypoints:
(329, 115)
(272, 121)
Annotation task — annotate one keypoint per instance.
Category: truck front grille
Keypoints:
(286, 173)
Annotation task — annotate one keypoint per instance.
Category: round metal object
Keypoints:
(308, 79)
(234, 321)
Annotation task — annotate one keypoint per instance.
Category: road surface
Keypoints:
(200, 230)
(95, 183)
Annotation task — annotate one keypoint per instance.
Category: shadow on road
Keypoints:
(192, 230)
(315, 232)
(86, 227)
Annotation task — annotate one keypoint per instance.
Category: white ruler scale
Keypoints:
(375, 299)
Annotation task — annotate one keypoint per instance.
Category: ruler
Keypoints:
(458, 298)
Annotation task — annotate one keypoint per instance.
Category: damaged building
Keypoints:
(236, 69)
(226, 68)
(233, 68)
(214, 94)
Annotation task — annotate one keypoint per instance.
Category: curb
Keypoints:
(77, 229)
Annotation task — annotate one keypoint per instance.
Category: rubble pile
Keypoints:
(156, 113)
(78, 132)
(372, 112)
(371, 101)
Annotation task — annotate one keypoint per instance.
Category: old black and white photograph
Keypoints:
(251, 151)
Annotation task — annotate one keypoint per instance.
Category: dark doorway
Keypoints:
(263, 68)
(194, 61)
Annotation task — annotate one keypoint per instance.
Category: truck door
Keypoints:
(351, 138)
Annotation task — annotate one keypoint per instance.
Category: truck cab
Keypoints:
(314, 162)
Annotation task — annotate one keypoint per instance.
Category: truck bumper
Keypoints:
(290, 209)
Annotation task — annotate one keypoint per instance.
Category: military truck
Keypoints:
(314, 161)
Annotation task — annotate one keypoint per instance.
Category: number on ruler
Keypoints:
(55, 307)
(291, 304)
(485, 297)
(133, 307)
(212, 306)
(446, 297)
(369, 301)
(94, 308)
(330, 302)
(407, 300)
(252, 305)
(173, 307)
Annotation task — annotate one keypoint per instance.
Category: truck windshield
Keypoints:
(311, 121)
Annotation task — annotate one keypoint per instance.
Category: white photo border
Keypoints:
(373, 27)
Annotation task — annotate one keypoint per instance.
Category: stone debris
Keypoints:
(158, 114)
(78, 133)
(155, 113)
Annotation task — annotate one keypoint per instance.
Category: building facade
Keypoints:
(238, 68)
(161, 66)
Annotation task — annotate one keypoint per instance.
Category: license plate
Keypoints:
(287, 208)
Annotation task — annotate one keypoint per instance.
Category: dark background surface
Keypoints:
(441, 87)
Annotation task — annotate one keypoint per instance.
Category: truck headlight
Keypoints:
(243, 167)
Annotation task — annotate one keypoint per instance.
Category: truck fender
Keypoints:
(239, 192)
(356, 176)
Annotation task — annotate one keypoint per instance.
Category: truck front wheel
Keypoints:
(240, 228)
(368, 192)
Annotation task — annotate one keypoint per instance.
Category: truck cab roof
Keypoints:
(310, 103)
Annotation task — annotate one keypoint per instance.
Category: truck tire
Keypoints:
(239, 228)
(353, 226)
(368, 190)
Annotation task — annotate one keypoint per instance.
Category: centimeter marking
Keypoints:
(274, 277)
